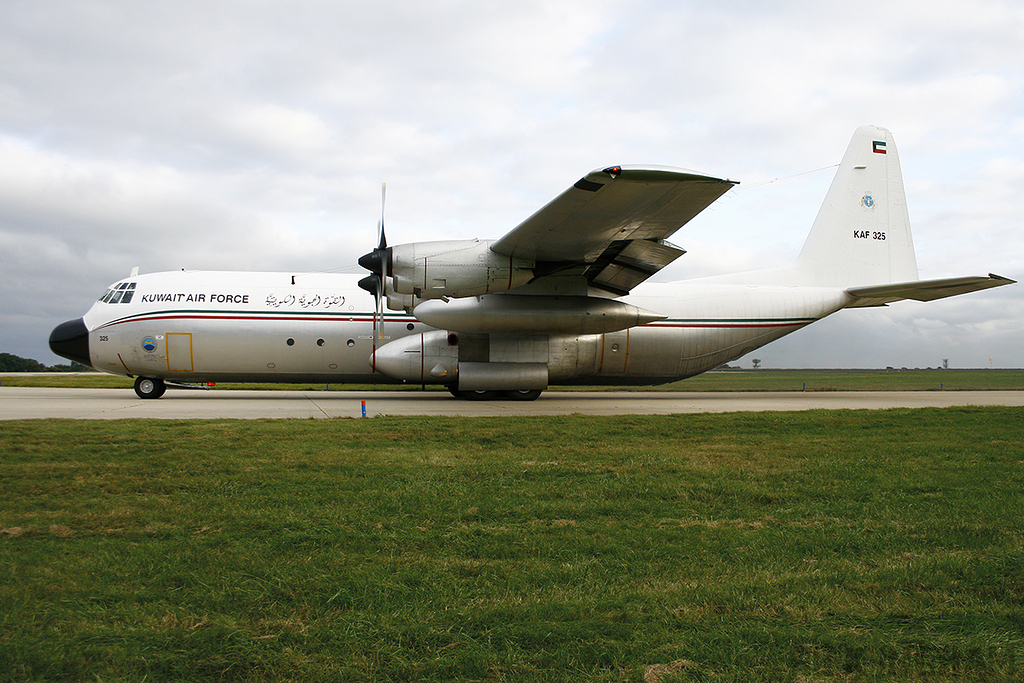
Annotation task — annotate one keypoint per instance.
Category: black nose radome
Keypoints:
(71, 340)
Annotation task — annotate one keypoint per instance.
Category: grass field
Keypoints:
(812, 546)
(749, 380)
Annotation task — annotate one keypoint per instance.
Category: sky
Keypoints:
(255, 135)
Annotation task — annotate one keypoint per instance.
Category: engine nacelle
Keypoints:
(400, 302)
(459, 268)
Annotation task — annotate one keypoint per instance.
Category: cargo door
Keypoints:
(179, 352)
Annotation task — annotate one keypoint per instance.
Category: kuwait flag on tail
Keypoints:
(878, 147)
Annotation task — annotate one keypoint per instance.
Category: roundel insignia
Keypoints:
(149, 344)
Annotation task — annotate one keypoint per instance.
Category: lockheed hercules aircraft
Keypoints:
(561, 299)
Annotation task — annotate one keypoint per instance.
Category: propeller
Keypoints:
(378, 262)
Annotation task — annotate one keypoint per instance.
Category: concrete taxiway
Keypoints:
(111, 404)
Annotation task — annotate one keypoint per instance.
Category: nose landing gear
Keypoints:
(149, 387)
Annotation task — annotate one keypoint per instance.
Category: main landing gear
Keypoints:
(149, 387)
(489, 395)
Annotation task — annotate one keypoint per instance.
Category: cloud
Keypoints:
(256, 135)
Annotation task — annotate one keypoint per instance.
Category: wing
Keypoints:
(922, 290)
(612, 224)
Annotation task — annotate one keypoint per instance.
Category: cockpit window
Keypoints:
(119, 294)
(129, 292)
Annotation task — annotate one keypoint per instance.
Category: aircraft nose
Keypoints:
(71, 340)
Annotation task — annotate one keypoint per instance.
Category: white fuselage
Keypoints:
(202, 326)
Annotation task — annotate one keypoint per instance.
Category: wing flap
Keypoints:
(627, 263)
(923, 290)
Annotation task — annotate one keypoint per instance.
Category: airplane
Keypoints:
(562, 299)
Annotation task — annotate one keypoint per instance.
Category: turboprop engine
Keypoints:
(459, 268)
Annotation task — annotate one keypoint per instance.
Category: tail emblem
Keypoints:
(878, 147)
(867, 200)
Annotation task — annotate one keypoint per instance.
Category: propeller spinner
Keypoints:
(378, 262)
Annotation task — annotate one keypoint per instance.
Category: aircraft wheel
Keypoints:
(149, 387)
(455, 392)
(480, 395)
(523, 394)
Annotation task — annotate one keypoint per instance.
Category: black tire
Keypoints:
(455, 392)
(149, 387)
(480, 395)
(523, 394)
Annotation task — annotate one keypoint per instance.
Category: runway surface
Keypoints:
(18, 403)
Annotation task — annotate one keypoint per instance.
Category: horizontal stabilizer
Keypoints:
(922, 290)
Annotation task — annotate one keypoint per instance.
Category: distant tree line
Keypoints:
(11, 363)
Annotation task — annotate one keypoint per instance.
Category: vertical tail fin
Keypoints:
(861, 235)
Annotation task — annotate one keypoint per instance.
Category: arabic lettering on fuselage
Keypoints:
(306, 301)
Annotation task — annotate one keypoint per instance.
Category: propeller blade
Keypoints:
(380, 307)
(378, 262)
(383, 198)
